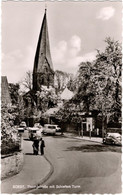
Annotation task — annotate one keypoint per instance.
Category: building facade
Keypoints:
(5, 94)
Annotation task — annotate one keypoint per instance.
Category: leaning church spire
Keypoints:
(43, 73)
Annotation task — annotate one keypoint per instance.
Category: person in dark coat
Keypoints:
(35, 147)
(42, 146)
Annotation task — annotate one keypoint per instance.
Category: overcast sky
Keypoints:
(76, 30)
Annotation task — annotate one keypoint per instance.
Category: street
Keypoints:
(80, 166)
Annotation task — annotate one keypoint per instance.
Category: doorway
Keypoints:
(84, 126)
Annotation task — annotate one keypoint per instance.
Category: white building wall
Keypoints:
(89, 124)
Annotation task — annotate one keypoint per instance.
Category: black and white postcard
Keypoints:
(61, 86)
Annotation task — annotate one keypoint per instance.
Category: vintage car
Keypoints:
(112, 138)
(58, 129)
(23, 125)
(38, 125)
(49, 129)
(20, 130)
(34, 133)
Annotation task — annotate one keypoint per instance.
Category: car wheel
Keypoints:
(104, 141)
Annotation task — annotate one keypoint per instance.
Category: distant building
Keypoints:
(43, 73)
(5, 95)
(67, 94)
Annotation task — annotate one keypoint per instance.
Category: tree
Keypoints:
(99, 85)
(84, 93)
(27, 81)
(46, 98)
(17, 102)
(106, 79)
(62, 80)
(14, 92)
(9, 138)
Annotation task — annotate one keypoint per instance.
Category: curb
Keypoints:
(42, 180)
(89, 140)
(83, 139)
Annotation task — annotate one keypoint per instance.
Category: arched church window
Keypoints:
(48, 79)
(46, 70)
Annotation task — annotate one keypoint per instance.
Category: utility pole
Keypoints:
(89, 132)
(81, 129)
(101, 86)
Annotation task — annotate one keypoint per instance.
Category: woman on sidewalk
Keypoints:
(42, 146)
(35, 147)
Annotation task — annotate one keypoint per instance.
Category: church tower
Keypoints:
(43, 73)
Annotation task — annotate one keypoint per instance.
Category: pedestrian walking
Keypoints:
(42, 146)
(35, 147)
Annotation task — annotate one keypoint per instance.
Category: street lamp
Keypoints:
(102, 82)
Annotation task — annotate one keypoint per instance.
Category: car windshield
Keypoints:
(23, 123)
(37, 124)
(51, 127)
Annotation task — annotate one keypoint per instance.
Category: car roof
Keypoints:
(114, 134)
(33, 129)
(49, 125)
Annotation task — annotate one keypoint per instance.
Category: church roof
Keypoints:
(67, 94)
(43, 54)
(5, 95)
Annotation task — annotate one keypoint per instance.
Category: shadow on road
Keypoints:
(55, 136)
(25, 139)
(95, 148)
(75, 141)
(28, 154)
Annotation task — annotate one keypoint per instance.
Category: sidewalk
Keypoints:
(92, 139)
(35, 170)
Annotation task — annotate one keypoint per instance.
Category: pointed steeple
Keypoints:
(43, 66)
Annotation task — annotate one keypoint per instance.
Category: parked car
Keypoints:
(34, 133)
(112, 138)
(20, 130)
(23, 125)
(58, 129)
(49, 129)
(38, 125)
